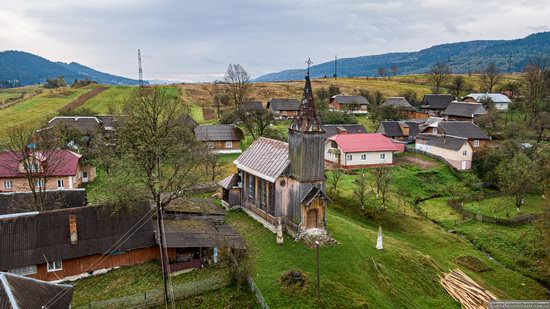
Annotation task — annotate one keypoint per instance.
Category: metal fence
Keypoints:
(156, 297)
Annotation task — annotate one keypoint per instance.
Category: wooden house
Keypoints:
(251, 106)
(220, 138)
(352, 103)
(463, 111)
(64, 169)
(283, 108)
(464, 129)
(352, 151)
(434, 104)
(399, 130)
(285, 182)
(406, 110)
(455, 150)
(501, 101)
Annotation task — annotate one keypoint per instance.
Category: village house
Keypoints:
(360, 150)
(333, 129)
(406, 110)
(399, 130)
(463, 111)
(284, 108)
(501, 101)
(434, 104)
(85, 124)
(28, 293)
(455, 150)
(465, 129)
(352, 103)
(63, 168)
(285, 182)
(251, 106)
(220, 138)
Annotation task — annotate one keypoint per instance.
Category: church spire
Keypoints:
(307, 119)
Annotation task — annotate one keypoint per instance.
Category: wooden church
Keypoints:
(284, 182)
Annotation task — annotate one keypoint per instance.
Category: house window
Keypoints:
(24, 271)
(364, 157)
(349, 157)
(434, 130)
(465, 152)
(363, 107)
(33, 167)
(39, 183)
(476, 143)
(285, 113)
(8, 184)
(382, 156)
(210, 145)
(250, 183)
(229, 144)
(54, 266)
(60, 184)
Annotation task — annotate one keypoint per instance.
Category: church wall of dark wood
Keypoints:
(306, 152)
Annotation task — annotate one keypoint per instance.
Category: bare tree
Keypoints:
(238, 83)
(394, 69)
(438, 75)
(536, 82)
(490, 77)
(334, 176)
(256, 122)
(216, 94)
(36, 156)
(382, 72)
(361, 188)
(382, 179)
(457, 86)
(152, 138)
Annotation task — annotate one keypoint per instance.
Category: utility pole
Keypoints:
(335, 66)
(140, 70)
(160, 226)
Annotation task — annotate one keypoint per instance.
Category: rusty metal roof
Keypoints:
(199, 233)
(265, 158)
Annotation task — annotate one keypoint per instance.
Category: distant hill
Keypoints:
(30, 69)
(463, 57)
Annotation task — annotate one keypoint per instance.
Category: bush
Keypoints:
(55, 83)
(330, 117)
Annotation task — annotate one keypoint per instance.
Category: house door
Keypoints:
(463, 165)
(84, 176)
(312, 215)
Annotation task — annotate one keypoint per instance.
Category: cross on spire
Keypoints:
(309, 63)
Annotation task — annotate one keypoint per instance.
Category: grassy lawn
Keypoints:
(514, 247)
(112, 98)
(132, 280)
(504, 207)
(355, 274)
(227, 297)
(37, 109)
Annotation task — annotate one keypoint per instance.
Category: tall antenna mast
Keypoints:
(335, 66)
(140, 70)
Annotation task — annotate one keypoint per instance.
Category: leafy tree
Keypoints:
(490, 77)
(411, 97)
(335, 117)
(238, 83)
(516, 177)
(438, 75)
(487, 103)
(489, 121)
(333, 90)
(55, 83)
(457, 85)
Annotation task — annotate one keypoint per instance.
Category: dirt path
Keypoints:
(415, 160)
(82, 99)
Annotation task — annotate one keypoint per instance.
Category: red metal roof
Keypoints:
(363, 142)
(66, 164)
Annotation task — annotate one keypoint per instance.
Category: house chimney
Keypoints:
(73, 229)
(341, 130)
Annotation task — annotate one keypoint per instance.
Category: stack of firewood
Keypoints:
(468, 293)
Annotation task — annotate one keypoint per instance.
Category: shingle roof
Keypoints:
(400, 103)
(447, 142)
(265, 158)
(194, 206)
(437, 101)
(393, 129)
(350, 99)
(18, 202)
(464, 109)
(229, 182)
(363, 142)
(251, 106)
(62, 163)
(332, 129)
(495, 97)
(199, 233)
(29, 239)
(29, 293)
(219, 132)
(465, 129)
(82, 123)
(284, 104)
(312, 194)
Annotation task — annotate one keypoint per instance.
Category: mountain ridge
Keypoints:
(465, 57)
(30, 69)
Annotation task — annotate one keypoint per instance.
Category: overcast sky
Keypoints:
(195, 40)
